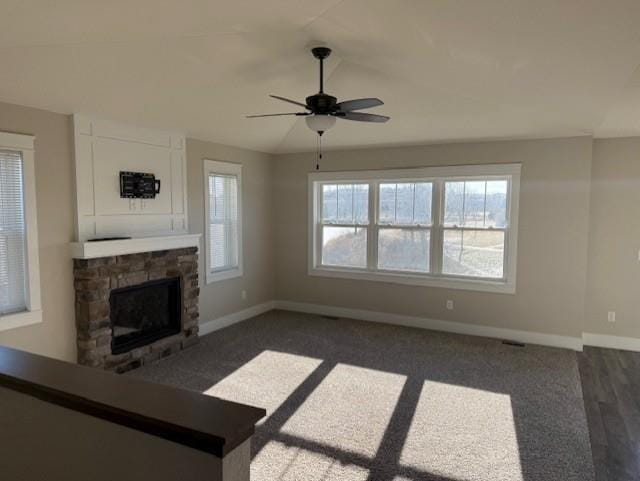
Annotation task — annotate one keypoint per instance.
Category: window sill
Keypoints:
(223, 275)
(417, 280)
(20, 319)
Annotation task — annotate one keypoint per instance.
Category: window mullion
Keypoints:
(437, 217)
(506, 254)
(484, 216)
(319, 232)
(372, 231)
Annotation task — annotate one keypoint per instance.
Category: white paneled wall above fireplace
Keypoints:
(102, 150)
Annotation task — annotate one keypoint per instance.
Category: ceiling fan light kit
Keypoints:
(322, 110)
(319, 122)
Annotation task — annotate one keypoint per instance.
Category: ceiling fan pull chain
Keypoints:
(319, 143)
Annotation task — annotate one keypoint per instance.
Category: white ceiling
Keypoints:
(446, 69)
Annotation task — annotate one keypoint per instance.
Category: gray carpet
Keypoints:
(350, 400)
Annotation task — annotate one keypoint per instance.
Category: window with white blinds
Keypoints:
(12, 234)
(223, 222)
(223, 229)
(19, 264)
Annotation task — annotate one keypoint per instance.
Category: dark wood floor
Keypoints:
(611, 388)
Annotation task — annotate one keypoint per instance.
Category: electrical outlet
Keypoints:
(611, 316)
(450, 305)
(243, 294)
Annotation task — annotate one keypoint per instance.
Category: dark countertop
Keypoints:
(201, 422)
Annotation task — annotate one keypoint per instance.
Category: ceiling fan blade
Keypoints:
(359, 104)
(276, 115)
(360, 117)
(289, 100)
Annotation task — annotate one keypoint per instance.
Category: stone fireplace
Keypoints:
(136, 308)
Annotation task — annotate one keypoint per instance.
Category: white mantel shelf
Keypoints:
(94, 250)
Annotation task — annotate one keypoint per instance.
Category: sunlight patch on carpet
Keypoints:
(458, 430)
(280, 462)
(266, 381)
(349, 410)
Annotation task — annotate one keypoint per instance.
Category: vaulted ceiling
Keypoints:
(446, 69)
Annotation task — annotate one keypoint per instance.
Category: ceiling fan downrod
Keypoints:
(321, 53)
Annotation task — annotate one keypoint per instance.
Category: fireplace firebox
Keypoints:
(144, 313)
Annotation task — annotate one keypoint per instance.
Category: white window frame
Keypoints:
(437, 175)
(379, 226)
(24, 144)
(216, 167)
(354, 224)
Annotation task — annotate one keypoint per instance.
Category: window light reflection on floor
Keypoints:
(462, 430)
(267, 380)
(349, 410)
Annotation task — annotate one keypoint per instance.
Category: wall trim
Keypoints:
(208, 327)
(611, 342)
(528, 337)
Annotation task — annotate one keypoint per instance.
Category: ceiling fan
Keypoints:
(323, 109)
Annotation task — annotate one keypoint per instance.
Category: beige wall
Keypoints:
(552, 242)
(224, 297)
(577, 249)
(614, 238)
(56, 335)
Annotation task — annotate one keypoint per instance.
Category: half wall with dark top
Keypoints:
(85, 423)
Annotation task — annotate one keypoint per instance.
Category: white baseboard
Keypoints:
(527, 337)
(611, 342)
(224, 321)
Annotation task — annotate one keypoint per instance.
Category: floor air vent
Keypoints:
(513, 343)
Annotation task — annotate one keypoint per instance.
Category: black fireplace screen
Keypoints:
(144, 313)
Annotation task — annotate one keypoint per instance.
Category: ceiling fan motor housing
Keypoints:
(322, 104)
